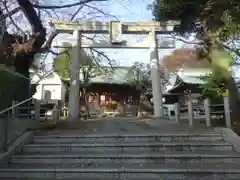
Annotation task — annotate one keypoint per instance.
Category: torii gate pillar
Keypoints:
(74, 95)
(155, 77)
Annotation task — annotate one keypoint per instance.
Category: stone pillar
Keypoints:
(14, 109)
(73, 107)
(37, 110)
(155, 76)
(207, 112)
(190, 113)
(227, 112)
(177, 112)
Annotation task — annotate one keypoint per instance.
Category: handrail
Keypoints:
(16, 105)
(17, 74)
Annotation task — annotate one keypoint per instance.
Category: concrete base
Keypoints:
(231, 137)
(143, 114)
(160, 118)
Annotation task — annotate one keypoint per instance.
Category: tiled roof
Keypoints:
(192, 75)
(188, 76)
(118, 75)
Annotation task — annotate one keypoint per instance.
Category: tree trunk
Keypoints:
(22, 65)
(6, 96)
(83, 103)
(212, 45)
(139, 101)
(234, 100)
(23, 90)
(138, 109)
(21, 60)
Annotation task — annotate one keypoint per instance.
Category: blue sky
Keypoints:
(133, 10)
(128, 10)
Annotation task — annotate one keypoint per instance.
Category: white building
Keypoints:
(50, 85)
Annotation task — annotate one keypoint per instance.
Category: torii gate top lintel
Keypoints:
(105, 27)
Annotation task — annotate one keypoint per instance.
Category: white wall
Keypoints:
(52, 83)
(34, 79)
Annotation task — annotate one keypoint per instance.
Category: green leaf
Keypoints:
(221, 61)
(90, 66)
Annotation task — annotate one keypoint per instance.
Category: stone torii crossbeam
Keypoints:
(116, 29)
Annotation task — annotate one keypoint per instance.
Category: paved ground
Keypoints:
(127, 125)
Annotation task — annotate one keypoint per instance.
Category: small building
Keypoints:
(183, 82)
(187, 82)
(182, 85)
(50, 85)
(113, 92)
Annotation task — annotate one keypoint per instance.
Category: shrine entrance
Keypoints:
(112, 100)
(116, 29)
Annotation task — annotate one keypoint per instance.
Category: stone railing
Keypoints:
(208, 114)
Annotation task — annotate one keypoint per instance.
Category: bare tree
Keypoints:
(23, 33)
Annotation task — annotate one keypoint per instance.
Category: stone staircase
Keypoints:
(180, 156)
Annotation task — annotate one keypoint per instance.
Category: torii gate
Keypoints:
(116, 29)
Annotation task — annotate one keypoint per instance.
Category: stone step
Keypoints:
(129, 158)
(129, 147)
(96, 166)
(118, 178)
(118, 165)
(116, 138)
(169, 172)
(93, 178)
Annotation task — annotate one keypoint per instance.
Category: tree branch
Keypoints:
(35, 22)
(66, 5)
(186, 41)
(75, 14)
(48, 43)
(100, 11)
(236, 51)
(103, 55)
(11, 13)
(56, 53)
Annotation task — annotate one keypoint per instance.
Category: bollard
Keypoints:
(55, 115)
(51, 122)
(190, 114)
(207, 112)
(227, 112)
(177, 112)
